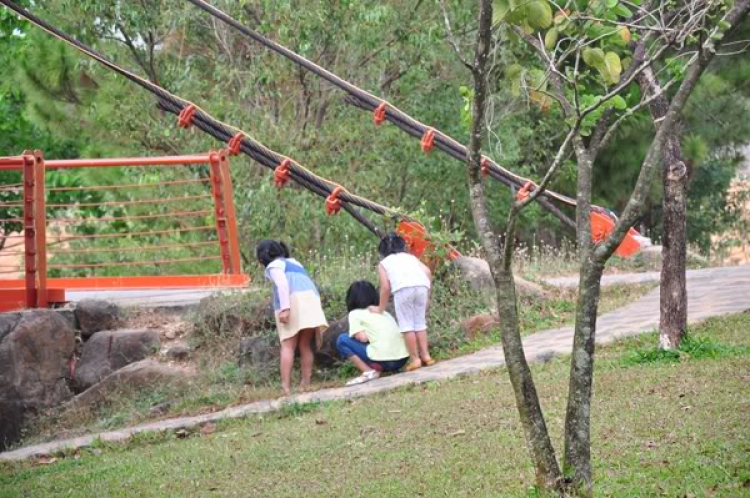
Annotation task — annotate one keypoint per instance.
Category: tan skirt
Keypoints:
(306, 313)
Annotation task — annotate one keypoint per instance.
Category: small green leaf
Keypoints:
(623, 11)
(538, 14)
(614, 66)
(619, 103)
(594, 57)
(612, 3)
(550, 39)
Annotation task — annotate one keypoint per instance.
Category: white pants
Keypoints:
(411, 308)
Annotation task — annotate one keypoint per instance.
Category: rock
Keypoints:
(260, 352)
(233, 316)
(328, 354)
(36, 348)
(109, 351)
(137, 375)
(178, 353)
(170, 334)
(478, 325)
(477, 272)
(93, 316)
(70, 315)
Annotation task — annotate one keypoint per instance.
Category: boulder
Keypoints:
(259, 352)
(233, 316)
(178, 353)
(109, 351)
(137, 375)
(476, 271)
(327, 354)
(93, 316)
(479, 325)
(36, 348)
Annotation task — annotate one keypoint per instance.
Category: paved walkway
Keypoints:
(711, 292)
(157, 298)
(634, 278)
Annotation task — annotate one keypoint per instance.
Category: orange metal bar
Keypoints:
(235, 258)
(221, 222)
(12, 299)
(40, 223)
(128, 161)
(29, 232)
(13, 162)
(160, 282)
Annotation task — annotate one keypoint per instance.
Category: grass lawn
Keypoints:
(222, 383)
(663, 428)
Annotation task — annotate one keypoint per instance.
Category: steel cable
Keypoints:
(205, 122)
(369, 102)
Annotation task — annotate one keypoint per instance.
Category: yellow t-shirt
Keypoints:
(386, 341)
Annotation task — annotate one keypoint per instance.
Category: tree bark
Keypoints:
(673, 318)
(542, 452)
(577, 459)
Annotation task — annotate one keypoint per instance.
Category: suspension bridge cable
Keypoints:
(224, 132)
(367, 101)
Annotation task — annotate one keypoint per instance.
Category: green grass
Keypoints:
(220, 382)
(659, 429)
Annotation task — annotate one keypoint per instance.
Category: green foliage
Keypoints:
(691, 348)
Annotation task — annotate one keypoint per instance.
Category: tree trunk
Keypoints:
(673, 320)
(527, 401)
(577, 462)
(577, 465)
(548, 475)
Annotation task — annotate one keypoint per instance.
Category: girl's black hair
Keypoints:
(392, 243)
(269, 250)
(361, 295)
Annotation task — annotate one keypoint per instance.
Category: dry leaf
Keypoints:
(208, 429)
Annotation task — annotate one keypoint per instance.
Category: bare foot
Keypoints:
(427, 361)
(304, 387)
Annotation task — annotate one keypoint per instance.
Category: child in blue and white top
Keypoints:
(299, 313)
(408, 279)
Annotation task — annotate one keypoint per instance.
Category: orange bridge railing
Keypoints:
(140, 234)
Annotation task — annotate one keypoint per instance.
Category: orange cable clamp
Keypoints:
(235, 143)
(281, 173)
(379, 114)
(333, 203)
(186, 116)
(484, 166)
(428, 140)
(524, 192)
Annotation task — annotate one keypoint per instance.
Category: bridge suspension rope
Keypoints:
(384, 110)
(190, 114)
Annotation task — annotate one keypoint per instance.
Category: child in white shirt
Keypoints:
(408, 279)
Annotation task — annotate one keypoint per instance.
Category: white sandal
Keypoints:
(365, 377)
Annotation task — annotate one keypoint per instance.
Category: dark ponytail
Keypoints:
(270, 250)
